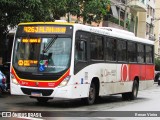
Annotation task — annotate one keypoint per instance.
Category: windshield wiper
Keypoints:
(49, 44)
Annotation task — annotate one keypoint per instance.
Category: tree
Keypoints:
(157, 64)
(13, 12)
(89, 10)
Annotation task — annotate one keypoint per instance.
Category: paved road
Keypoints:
(147, 101)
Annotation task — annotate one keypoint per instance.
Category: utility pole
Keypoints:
(69, 16)
(125, 14)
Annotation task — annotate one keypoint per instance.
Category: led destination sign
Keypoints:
(33, 40)
(44, 29)
(27, 62)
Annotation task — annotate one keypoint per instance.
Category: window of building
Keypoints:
(148, 10)
(123, 1)
(158, 51)
(147, 29)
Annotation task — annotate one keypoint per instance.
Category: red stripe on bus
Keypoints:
(36, 83)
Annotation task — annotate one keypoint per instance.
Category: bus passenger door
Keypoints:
(81, 55)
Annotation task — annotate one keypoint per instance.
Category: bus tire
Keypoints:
(125, 96)
(92, 95)
(42, 100)
(134, 93)
(158, 82)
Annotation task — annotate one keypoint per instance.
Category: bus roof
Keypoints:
(113, 32)
(49, 23)
(118, 30)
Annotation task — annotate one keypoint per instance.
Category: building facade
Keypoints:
(133, 15)
(156, 22)
(136, 16)
(150, 20)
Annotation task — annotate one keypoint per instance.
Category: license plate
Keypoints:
(37, 94)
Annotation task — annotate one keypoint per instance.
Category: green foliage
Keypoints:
(12, 12)
(157, 64)
(115, 20)
(93, 10)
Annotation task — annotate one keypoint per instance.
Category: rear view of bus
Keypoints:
(40, 59)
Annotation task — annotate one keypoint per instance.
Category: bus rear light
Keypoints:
(14, 80)
(65, 81)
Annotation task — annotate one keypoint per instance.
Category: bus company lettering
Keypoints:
(99, 31)
(113, 72)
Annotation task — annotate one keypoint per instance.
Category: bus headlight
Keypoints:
(65, 81)
(14, 80)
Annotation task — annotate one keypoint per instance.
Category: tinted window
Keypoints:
(121, 50)
(149, 54)
(111, 49)
(140, 53)
(81, 50)
(81, 46)
(132, 52)
(97, 49)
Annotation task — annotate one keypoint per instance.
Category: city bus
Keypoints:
(71, 61)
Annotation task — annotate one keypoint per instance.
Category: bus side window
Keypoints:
(141, 54)
(149, 52)
(121, 50)
(97, 47)
(111, 47)
(81, 51)
(132, 51)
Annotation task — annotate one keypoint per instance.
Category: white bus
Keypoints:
(65, 60)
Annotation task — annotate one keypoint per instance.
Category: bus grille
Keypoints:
(45, 92)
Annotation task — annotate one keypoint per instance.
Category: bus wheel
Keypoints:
(92, 95)
(133, 94)
(125, 96)
(158, 82)
(42, 100)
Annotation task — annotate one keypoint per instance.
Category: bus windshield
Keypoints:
(42, 54)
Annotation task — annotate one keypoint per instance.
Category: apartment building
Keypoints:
(150, 20)
(156, 22)
(132, 15)
(136, 16)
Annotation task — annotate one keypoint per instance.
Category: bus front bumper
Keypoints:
(69, 91)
